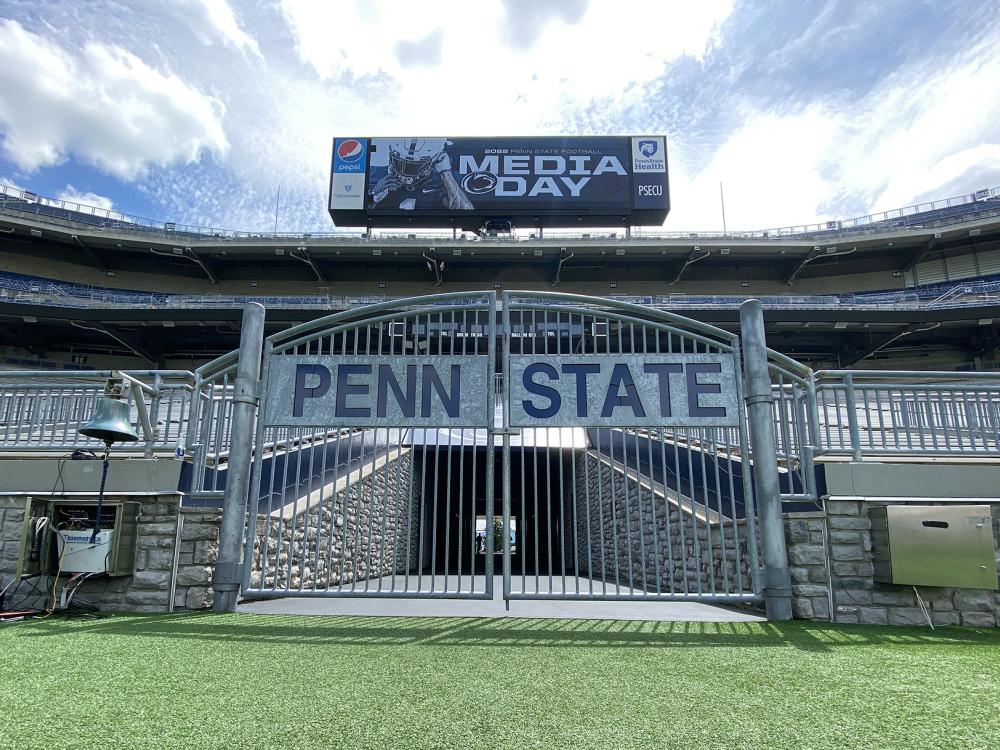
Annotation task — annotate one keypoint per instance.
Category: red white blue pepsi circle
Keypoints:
(350, 150)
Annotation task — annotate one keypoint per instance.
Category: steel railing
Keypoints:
(42, 410)
(865, 413)
(14, 199)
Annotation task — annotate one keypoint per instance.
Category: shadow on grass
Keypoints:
(472, 632)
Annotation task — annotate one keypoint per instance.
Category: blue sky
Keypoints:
(195, 111)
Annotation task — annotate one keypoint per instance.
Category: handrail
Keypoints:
(111, 219)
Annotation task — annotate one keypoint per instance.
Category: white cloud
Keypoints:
(902, 143)
(12, 183)
(602, 54)
(85, 198)
(214, 20)
(102, 105)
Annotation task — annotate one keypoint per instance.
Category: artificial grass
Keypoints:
(268, 681)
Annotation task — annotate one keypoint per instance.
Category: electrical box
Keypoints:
(934, 545)
(61, 536)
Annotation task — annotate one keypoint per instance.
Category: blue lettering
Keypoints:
(387, 380)
(345, 389)
(450, 401)
(581, 372)
(555, 400)
(302, 392)
(695, 389)
(622, 376)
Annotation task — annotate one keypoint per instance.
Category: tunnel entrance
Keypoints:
(456, 509)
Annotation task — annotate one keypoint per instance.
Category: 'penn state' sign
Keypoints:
(360, 391)
(637, 390)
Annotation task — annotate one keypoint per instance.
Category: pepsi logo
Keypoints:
(350, 150)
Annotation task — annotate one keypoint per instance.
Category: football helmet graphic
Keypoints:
(412, 160)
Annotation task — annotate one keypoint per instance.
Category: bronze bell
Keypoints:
(111, 423)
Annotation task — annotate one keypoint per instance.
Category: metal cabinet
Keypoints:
(934, 545)
(38, 553)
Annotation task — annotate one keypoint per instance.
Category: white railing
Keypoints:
(17, 200)
(871, 413)
(42, 411)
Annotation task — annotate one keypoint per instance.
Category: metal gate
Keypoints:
(365, 418)
(624, 455)
(619, 432)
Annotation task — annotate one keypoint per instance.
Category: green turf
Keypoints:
(259, 681)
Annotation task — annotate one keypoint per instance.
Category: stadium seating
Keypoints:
(16, 287)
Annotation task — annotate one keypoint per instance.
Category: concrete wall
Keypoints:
(148, 589)
(327, 543)
(630, 523)
(830, 556)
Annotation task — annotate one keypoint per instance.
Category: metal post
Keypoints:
(226, 581)
(777, 581)
(852, 417)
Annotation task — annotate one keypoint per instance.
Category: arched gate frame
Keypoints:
(343, 496)
(652, 496)
(620, 434)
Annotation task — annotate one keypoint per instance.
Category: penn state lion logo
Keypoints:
(647, 148)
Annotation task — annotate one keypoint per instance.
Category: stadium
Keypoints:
(916, 287)
(515, 374)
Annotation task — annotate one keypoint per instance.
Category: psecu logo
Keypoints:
(648, 148)
(350, 150)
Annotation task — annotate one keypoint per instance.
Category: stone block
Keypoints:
(148, 597)
(151, 579)
(799, 574)
(154, 542)
(849, 536)
(846, 614)
(945, 618)
(821, 608)
(157, 529)
(817, 574)
(976, 600)
(849, 522)
(194, 575)
(206, 552)
(196, 531)
(807, 590)
(843, 507)
(198, 597)
(158, 559)
(797, 532)
(806, 555)
(979, 619)
(802, 608)
(847, 552)
(874, 615)
(845, 568)
(906, 616)
(894, 598)
(15, 517)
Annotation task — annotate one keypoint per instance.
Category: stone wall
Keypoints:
(625, 520)
(830, 557)
(327, 544)
(148, 589)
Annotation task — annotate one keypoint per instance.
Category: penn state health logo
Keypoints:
(350, 151)
(648, 148)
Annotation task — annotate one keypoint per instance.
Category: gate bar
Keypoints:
(228, 570)
(759, 399)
